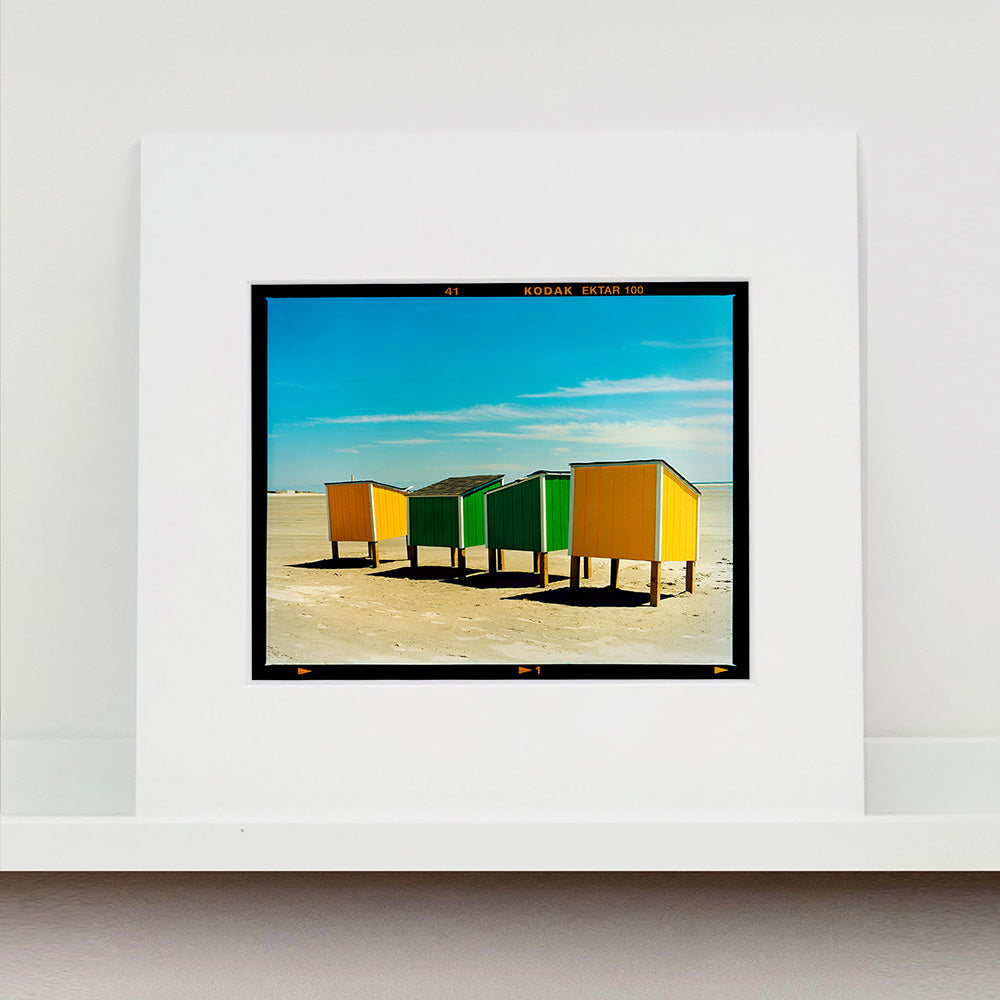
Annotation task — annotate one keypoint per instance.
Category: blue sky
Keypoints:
(408, 391)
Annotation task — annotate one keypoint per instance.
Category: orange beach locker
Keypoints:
(364, 512)
(632, 510)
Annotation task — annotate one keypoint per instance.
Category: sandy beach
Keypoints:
(323, 612)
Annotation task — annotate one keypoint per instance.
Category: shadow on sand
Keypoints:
(356, 562)
(589, 597)
(478, 579)
(506, 580)
(448, 574)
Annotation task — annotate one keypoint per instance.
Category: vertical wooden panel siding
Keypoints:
(473, 511)
(680, 521)
(614, 511)
(514, 517)
(556, 513)
(433, 521)
(390, 513)
(350, 512)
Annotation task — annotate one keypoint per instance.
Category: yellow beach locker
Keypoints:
(364, 512)
(632, 510)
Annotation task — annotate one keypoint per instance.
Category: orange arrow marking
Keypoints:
(524, 670)
(721, 670)
(302, 670)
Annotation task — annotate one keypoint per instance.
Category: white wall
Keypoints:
(84, 81)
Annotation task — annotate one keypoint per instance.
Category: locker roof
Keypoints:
(644, 461)
(365, 482)
(534, 475)
(457, 486)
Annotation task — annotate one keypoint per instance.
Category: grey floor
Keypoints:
(550, 936)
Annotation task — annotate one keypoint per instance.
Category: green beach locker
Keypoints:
(529, 515)
(449, 514)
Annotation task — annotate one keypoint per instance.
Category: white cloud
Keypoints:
(710, 419)
(348, 451)
(410, 441)
(710, 433)
(675, 345)
(704, 404)
(481, 411)
(622, 386)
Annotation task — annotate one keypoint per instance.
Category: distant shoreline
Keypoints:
(317, 493)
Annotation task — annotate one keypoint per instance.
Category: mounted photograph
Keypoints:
(523, 481)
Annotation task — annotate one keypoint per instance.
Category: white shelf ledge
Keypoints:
(913, 843)
(933, 804)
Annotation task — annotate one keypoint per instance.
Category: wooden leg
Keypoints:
(336, 549)
(574, 572)
(689, 577)
(614, 574)
(454, 558)
(586, 567)
(411, 551)
(654, 583)
(543, 568)
(534, 562)
(492, 561)
(500, 559)
(461, 561)
(373, 553)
